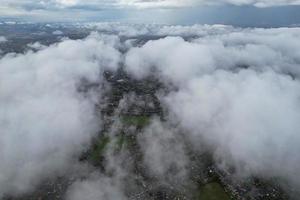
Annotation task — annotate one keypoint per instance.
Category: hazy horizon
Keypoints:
(259, 13)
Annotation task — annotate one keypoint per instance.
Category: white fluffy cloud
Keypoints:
(235, 90)
(251, 119)
(238, 91)
(44, 120)
(218, 47)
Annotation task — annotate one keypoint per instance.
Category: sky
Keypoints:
(260, 13)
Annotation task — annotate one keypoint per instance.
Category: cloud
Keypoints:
(138, 30)
(164, 153)
(187, 3)
(45, 121)
(217, 48)
(251, 120)
(16, 6)
(57, 32)
(37, 46)
(240, 12)
(232, 91)
(94, 188)
(237, 91)
(174, 3)
(2, 39)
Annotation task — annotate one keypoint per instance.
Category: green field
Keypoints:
(212, 191)
(139, 121)
(99, 148)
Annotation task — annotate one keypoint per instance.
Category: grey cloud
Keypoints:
(100, 4)
(178, 3)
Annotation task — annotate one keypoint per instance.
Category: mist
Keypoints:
(2, 39)
(232, 92)
(45, 121)
(238, 92)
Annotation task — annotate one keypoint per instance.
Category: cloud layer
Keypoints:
(233, 91)
(45, 121)
(237, 91)
(116, 4)
(186, 3)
